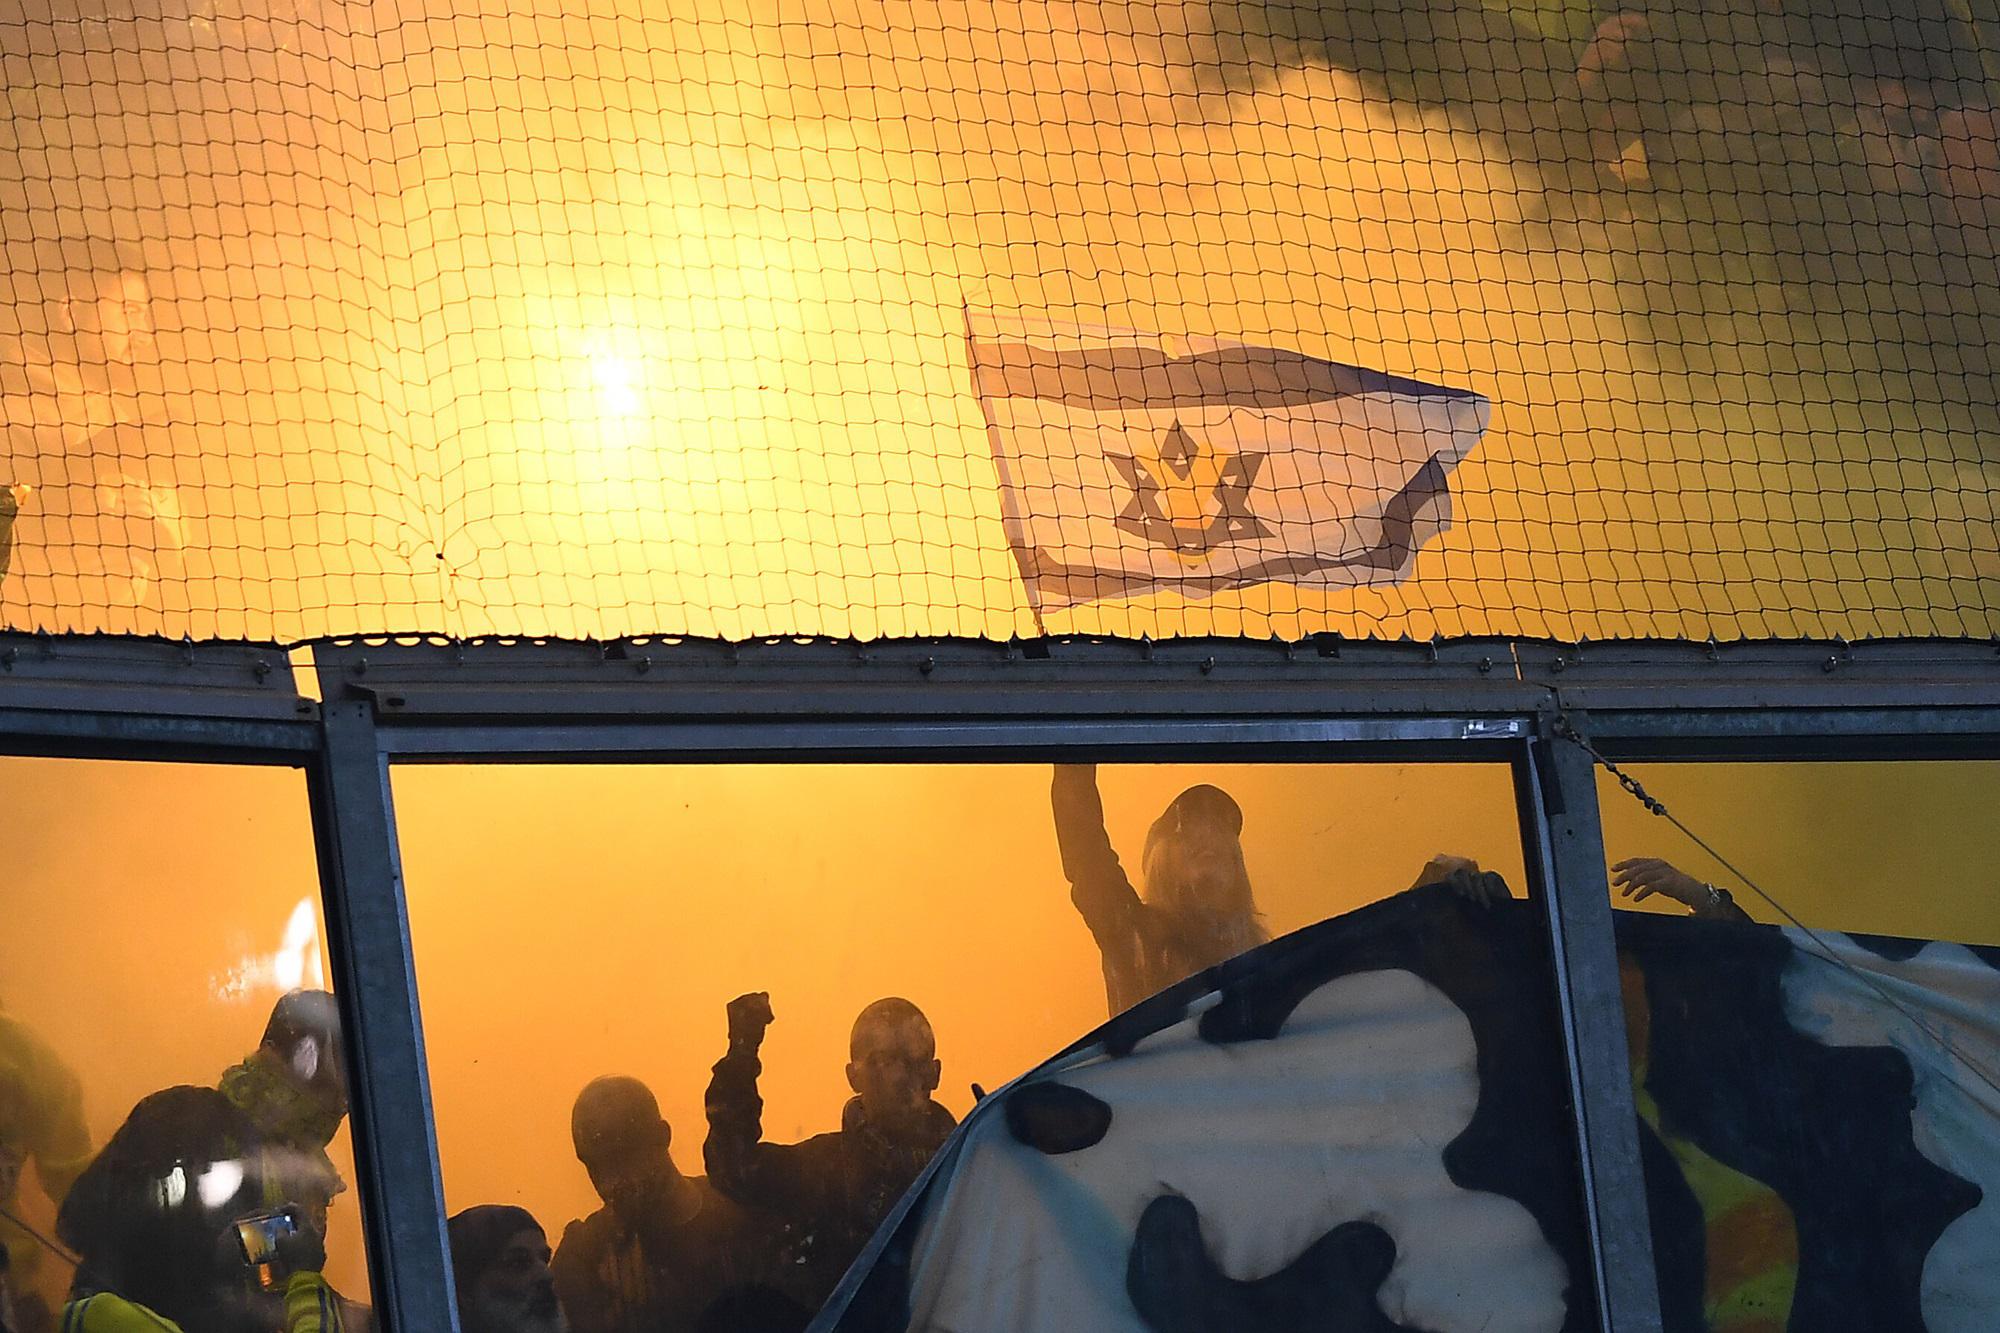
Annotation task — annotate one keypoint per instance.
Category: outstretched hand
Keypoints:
(749, 1015)
(1640, 877)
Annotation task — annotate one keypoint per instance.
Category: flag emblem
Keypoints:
(1131, 463)
(1189, 496)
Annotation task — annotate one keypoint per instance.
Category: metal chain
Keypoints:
(1566, 730)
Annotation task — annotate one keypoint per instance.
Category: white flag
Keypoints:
(1131, 462)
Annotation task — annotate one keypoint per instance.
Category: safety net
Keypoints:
(997, 317)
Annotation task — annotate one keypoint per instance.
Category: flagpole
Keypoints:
(1016, 532)
(1029, 563)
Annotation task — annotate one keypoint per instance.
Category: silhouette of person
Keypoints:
(41, 1121)
(831, 1191)
(178, 1180)
(1198, 908)
(148, 1218)
(501, 1274)
(665, 1247)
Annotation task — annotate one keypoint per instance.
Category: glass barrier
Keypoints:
(1815, 1039)
(173, 1141)
(692, 1030)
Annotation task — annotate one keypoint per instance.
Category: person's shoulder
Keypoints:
(715, 1205)
(930, 1135)
(27, 1056)
(828, 1142)
(588, 1225)
(724, 1223)
(185, 1101)
(105, 1312)
(196, 1119)
(585, 1234)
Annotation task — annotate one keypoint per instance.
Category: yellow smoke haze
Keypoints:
(572, 921)
(610, 318)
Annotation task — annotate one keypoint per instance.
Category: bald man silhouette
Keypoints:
(831, 1191)
(665, 1248)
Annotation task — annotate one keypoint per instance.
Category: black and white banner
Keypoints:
(1365, 1126)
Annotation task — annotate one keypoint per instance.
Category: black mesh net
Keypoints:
(890, 317)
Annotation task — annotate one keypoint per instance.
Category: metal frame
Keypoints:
(1558, 798)
(368, 936)
(149, 699)
(784, 700)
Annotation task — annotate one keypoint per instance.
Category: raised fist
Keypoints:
(749, 1015)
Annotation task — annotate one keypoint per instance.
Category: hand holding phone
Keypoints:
(279, 1242)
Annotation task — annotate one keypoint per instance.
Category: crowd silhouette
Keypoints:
(206, 1211)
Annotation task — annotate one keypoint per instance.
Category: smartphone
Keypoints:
(258, 1235)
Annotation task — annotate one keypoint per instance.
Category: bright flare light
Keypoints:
(297, 962)
(618, 378)
(219, 1183)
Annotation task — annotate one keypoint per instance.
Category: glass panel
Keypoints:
(573, 923)
(1819, 1109)
(170, 1062)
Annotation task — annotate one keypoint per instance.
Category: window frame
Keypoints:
(690, 701)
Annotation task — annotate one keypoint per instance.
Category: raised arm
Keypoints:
(1104, 897)
(756, 1174)
(1097, 883)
